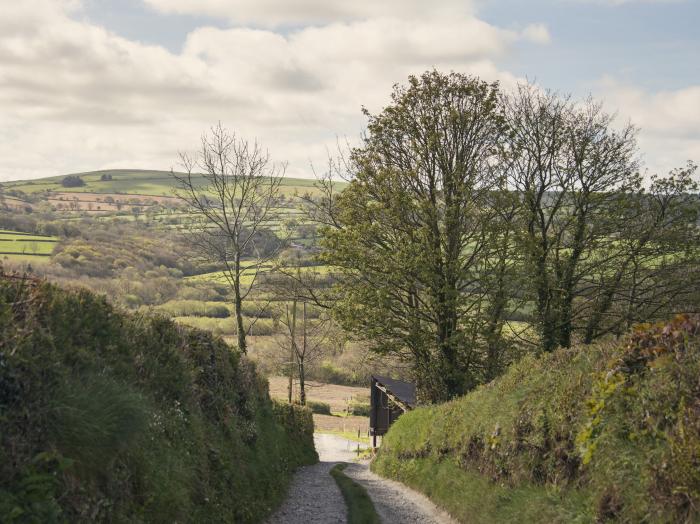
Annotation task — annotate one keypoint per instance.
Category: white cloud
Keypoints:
(76, 97)
(669, 121)
(537, 33)
(625, 2)
(274, 13)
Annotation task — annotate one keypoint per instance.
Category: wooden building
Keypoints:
(389, 399)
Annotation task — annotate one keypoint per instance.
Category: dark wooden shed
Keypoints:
(389, 399)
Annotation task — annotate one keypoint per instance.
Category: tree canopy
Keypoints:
(479, 224)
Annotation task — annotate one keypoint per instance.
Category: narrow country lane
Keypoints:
(395, 502)
(315, 498)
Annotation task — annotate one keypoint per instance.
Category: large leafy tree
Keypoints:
(409, 236)
(468, 209)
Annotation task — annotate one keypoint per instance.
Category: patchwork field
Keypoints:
(115, 233)
(22, 246)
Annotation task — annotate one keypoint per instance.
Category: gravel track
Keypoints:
(314, 497)
(395, 502)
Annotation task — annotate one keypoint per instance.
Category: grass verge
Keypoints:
(360, 507)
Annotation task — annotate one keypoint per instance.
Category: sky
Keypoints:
(101, 84)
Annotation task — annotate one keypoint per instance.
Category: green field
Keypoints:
(247, 277)
(133, 181)
(24, 247)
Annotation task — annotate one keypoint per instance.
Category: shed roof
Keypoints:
(404, 391)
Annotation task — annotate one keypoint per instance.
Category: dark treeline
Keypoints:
(470, 207)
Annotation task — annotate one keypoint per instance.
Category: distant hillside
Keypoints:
(109, 417)
(599, 433)
(130, 181)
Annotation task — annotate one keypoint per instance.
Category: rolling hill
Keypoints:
(132, 182)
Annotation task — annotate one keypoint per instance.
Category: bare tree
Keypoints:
(231, 188)
(307, 342)
(307, 326)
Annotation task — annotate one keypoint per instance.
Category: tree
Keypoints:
(573, 175)
(72, 181)
(407, 233)
(231, 187)
(501, 281)
(307, 342)
(655, 271)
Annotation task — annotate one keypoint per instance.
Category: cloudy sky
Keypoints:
(97, 84)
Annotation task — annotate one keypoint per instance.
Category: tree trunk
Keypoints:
(292, 350)
(566, 321)
(238, 306)
(544, 306)
(301, 355)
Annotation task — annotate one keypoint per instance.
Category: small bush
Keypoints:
(256, 309)
(320, 408)
(262, 327)
(195, 308)
(358, 408)
(93, 420)
(332, 374)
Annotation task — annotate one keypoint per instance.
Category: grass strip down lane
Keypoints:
(360, 507)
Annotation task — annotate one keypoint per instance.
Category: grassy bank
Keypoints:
(609, 432)
(108, 417)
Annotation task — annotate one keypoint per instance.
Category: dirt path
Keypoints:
(315, 498)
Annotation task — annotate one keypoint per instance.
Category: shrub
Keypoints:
(93, 421)
(221, 327)
(195, 308)
(331, 374)
(255, 309)
(358, 408)
(262, 327)
(321, 408)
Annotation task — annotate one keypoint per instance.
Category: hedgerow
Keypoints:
(113, 417)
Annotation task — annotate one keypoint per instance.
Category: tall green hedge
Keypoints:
(111, 417)
(598, 433)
